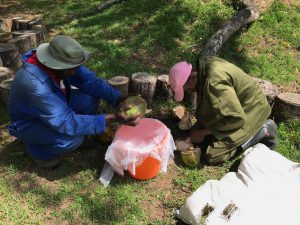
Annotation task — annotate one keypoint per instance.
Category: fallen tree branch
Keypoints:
(240, 19)
(101, 7)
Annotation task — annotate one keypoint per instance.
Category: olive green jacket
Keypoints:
(230, 103)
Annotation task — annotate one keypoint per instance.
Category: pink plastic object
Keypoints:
(143, 150)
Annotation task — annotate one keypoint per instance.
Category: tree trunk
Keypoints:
(101, 7)
(121, 83)
(240, 19)
(22, 43)
(6, 24)
(144, 84)
(163, 90)
(10, 56)
(35, 36)
(269, 90)
(6, 73)
(42, 29)
(286, 106)
(4, 90)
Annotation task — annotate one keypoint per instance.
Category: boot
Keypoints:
(266, 135)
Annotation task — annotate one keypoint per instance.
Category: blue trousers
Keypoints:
(50, 144)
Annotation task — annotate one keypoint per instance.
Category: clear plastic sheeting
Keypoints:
(264, 190)
(132, 145)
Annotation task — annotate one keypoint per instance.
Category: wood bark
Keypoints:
(35, 36)
(22, 43)
(240, 19)
(6, 73)
(269, 90)
(144, 84)
(6, 24)
(36, 21)
(43, 31)
(163, 90)
(1, 62)
(286, 106)
(121, 83)
(4, 90)
(101, 7)
(10, 56)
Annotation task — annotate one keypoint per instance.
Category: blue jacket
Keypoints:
(35, 96)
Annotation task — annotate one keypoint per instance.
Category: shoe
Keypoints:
(47, 164)
(266, 135)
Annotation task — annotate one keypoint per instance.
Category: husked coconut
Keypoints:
(134, 106)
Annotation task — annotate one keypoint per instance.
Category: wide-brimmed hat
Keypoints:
(178, 76)
(62, 52)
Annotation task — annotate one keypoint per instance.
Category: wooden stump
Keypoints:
(4, 90)
(269, 90)
(121, 83)
(15, 25)
(286, 106)
(144, 84)
(10, 57)
(6, 24)
(6, 73)
(36, 21)
(1, 63)
(43, 32)
(35, 36)
(163, 90)
(21, 24)
(22, 43)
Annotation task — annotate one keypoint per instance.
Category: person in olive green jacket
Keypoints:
(232, 111)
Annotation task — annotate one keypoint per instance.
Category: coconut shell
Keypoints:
(191, 157)
(134, 106)
(179, 111)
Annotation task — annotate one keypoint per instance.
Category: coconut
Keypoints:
(134, 106)
(191, 157)
(185, 123)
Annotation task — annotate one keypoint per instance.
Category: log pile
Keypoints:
(17, 36)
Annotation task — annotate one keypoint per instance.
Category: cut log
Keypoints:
(21, 24)
(144, 84)
(1, 62)
(15, 25)
(6, 24)
(4, 90)
(286, 106)
(36, 21)
(269, 90)
(121, 83)
(22, 43)
(43, 31)
(240, 19)
(6, 73)
(163, 90)
(10, 57)
(4, 36)
(35, 36)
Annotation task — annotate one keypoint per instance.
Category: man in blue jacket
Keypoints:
(46, 113)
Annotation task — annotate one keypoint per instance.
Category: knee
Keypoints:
(69, 144)
(218, 159)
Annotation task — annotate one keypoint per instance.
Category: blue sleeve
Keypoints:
(89, 83)
(55, 113)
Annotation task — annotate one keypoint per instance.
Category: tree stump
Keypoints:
(286, 106)
(1, 63)
(144, 84)
(22, 43)
(269, 90)
(15, 25)
(121, 83)
(43, 31)
(6, 73)
(35, 36)
(10, 56)
(6, 24)
(4, 90)
(163, 90)
(21, 24)
(36, 21)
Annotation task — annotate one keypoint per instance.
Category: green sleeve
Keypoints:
(226, 106)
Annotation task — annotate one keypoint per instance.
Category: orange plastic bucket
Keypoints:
(148, 169)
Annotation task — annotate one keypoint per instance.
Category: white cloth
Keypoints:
(265, 190)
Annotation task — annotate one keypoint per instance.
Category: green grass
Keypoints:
(140, 36)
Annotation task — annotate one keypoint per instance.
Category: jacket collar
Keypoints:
(34, 69)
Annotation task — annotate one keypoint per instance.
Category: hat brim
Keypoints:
(179, 94)
(48, 60)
